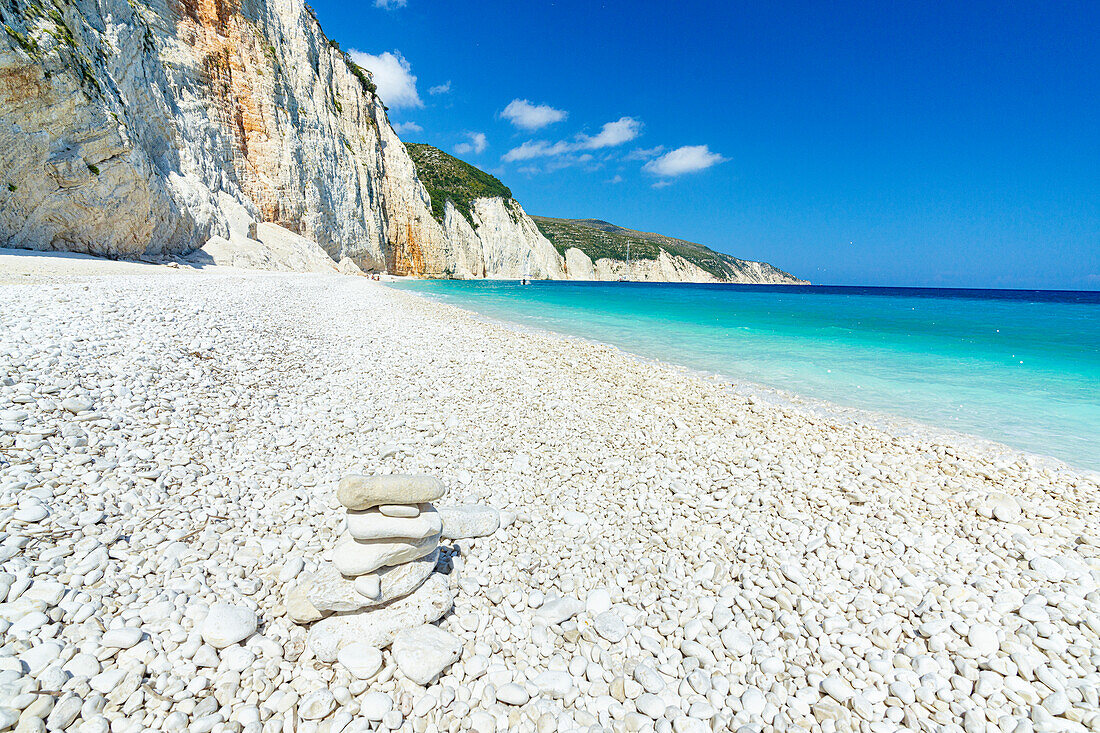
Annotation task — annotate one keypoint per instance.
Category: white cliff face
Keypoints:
(666, 268)
(74, 176)
(134, 128)
(761, 273)
(189, 124)
(504, 243)
(578, 265)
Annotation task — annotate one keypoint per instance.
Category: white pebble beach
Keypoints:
(672, 553)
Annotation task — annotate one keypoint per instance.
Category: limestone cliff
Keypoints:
(667, 267)
(131, 128)
(489, 232)
(593, 249)
(663, 268)
(500, 240)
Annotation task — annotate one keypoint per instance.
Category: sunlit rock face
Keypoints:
(129, 129)
(505, 242)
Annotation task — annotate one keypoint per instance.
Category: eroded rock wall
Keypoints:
(148, 128)
(77, 172)
(666, 268)
(505, 242)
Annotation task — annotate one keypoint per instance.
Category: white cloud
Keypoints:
(393, 75)
(688, 159)
(644, 153)
(614, 133)
(440, 89)
(616, 179)
(402, 128)
(611, 134)
(537, 149)
(477, 144)
(390, 4)
(522, 113)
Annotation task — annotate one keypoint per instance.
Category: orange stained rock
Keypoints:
(406, 256)
(230, 52)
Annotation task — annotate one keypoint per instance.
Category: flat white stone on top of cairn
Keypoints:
(358, 493)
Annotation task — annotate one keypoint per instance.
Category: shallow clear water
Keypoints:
(1019, 367)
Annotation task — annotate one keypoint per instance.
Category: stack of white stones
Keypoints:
(380, 580)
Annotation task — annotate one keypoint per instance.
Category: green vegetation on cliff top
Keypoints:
(448, 178)
(600, 239)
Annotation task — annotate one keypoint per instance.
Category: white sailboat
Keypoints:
(626, 278)
(526, 279)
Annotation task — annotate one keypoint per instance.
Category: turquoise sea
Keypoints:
(1018, 367)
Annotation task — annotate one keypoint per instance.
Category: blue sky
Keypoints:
(939, 144)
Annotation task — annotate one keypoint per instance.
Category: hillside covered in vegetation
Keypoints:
(448, 178)
(600, 239)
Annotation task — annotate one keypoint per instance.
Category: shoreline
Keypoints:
(673, 555)
(810, 406)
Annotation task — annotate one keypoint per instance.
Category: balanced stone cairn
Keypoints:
(381, 580)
